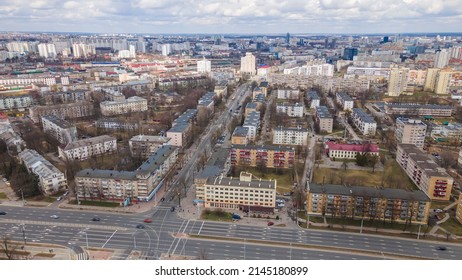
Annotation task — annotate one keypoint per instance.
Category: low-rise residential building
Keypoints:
(65, 111)
(324, 119)
(187, 117)
(268, 156)
(86, 148)
(290, 136)
(259, 99)
(60, 129)
(129, 105)
(51, 180)
(252, 122)
(240, 136)
(369, 203)
(450, 132)
(245, 193)
(459, 209)
(411, 109)
(345, 101)
(15, 102)
(264, 88)
(180, 134)
(313, 99)
(113, 94)
(433, 180)
(144, 145)
(410, 131)
(364, 122)
(350, 151)
(139, 185)
(114, 124)
(296, 110)
(288, 93)
(207, 101)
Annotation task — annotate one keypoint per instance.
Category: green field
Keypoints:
(392, 177)
(97, 203)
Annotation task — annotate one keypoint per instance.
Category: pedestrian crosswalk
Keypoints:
(82, 256)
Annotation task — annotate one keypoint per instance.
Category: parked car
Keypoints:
(270, 223)
(438, 211)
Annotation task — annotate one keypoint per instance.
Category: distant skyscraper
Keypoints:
(349, 53)
(385, 39)
(398, 81)
(132, 50)
(204, 66)
(442, 59)
(248, 64)
(166, 49)
(288, 38)
(83, 50)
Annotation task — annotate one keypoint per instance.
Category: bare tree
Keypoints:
(9, 248)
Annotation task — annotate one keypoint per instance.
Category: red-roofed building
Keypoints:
(349, 151)
(4, 118)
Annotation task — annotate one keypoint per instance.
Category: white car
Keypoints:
(54, 216)
(438, 211)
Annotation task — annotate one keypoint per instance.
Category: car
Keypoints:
(59, 198)
(140, 226)
(54, 216)
(66, 193)
(5, 180)
(2, 213)
(438, 211)
(147, 220)
(95, 219)
(172, 209)
(441, 248)
(270, 223)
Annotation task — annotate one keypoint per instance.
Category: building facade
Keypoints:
(324, 119)
(64, 111)
(130, 105)
(145, 145)
(240, 136)
(296, 110)
(411, 109)
(410, 131)
(268, 156)
(139, 185)
(345, 101)
(368, 203)
(397, 82)
(349, 151)
(245, 193)
(288, 93)
(60, 129)
(364, 122)
(433, 180)
(51, 180)
(86, 148)
(290, 136)
(248, 64)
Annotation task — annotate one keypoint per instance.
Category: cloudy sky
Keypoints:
(232, 16)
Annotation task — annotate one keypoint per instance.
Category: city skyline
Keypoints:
(233, 17)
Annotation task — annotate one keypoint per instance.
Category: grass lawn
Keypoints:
(3, 195)
(392, 177)
(216, 215)
(453, 226)
(97, 203)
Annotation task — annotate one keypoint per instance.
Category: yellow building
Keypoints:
(369, 203)
(459, 209)
(240, 136)
(433, 180)
(430, 80)
(243, 193)
(443, 81)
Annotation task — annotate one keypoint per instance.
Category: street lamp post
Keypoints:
(22, 196)
(24, 234)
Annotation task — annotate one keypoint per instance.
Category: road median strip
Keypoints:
(91, 226)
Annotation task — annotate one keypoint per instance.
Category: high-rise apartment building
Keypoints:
(442, 59)
(410, 131)
(47, 50)
(248, 64)
(443, 81)
(349, 53)
(204, 66)
(397, 81)
(430, 80)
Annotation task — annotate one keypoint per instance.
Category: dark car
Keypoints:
(96, 219)
(441, 248)
(2, 213)
(270, 223)
(140, 226)
(172, 209)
